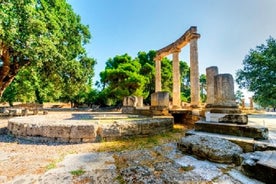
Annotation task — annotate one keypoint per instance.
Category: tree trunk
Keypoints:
(11, 63)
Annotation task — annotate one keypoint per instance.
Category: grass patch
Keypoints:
(134, 143)
(53, 164)
(50, 166)
(77, 172)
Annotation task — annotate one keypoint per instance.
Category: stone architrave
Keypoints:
(211, 72)
(194, 73)
(190, 36)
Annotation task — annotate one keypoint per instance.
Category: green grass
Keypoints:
(134, 143)
(77, 172)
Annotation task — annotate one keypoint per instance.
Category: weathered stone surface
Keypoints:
(96, 168)
(247, 144)
(160, 99)
(232, 129)
(211, 72)
(260, 165)
(211, 148)
(224, 90)
(96, 129)
(234, 118)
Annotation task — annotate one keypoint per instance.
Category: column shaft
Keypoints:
(176, 81)
(194, 74)
(158, 86)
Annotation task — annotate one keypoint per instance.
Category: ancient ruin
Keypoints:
(190, 36)
(86, 127)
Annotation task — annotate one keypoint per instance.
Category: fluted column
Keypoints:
(194, 74)
(176, 80)
(158, 86)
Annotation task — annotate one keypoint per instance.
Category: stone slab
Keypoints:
(247, 144)
(260, 133)
(211, 148)
(260, 165)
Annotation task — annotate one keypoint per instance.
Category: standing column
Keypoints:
(176, 80)
(211, 72)
(194, 73)
(158, 86)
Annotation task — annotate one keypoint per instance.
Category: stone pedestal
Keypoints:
(160, 104)
(221, 106)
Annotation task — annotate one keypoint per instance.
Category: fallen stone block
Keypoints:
(211, 148)
(260, 165)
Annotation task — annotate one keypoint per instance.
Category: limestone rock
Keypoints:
(260, 165)
(211, 148)
(234, 118)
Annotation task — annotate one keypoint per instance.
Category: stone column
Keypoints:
(158, 86)
(224, 91)
(211, 72)
(194, 73)
(251, 103)
(176, 80)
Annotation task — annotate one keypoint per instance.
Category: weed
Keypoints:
(77, 172)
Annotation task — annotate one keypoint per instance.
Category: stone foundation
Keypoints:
(87, 130)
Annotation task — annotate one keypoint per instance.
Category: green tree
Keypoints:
(185, 82)
(121, 78)
(259, 73)
(46, 34)
(203, 87)
(239, 96)
(148, 71)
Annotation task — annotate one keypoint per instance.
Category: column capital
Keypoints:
(157, 58)
(194, 36)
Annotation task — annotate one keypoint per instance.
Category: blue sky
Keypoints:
(228, 28)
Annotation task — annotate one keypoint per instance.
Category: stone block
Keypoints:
(211, 148)
(260, 133)
(160, 99)
(56, 131)
(260, 165)
(234, 118)
(129, 128)
(83, 131)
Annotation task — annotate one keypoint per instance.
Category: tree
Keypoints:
(259, 73)
(203, 87)
(148, 71)
(46, 34)
(239, 96)
(121, 78)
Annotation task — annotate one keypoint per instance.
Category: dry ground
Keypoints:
(19, 157)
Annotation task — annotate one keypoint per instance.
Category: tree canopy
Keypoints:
(124, 76)
(47, 39)
(259, 73)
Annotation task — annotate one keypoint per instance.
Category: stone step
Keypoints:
(247, 144)
(261, 166)
(258, 133)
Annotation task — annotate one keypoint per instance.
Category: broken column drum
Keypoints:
(224, 90)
